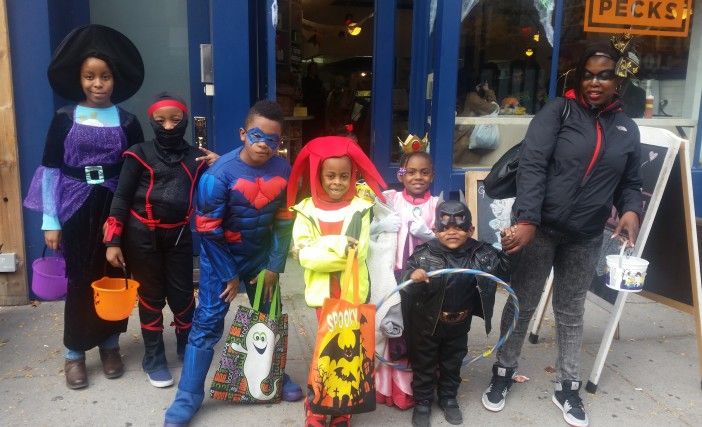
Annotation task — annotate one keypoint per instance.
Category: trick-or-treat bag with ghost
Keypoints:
(340, 380)
(253, 361)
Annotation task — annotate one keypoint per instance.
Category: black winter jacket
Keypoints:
(422, 302)
(552, 188)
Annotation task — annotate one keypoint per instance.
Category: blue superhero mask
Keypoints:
(255, 135)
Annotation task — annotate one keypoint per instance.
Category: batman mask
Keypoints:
(452, 212)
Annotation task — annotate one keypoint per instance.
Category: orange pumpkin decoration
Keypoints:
(510, 101)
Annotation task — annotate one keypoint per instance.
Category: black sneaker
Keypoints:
(567, 398)
(501, 382)
(421, 416)
(452, 412)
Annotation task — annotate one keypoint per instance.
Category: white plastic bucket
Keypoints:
(626, 273)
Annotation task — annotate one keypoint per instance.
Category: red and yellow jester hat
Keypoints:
(308, 163)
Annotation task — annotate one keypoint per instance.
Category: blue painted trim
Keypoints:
(697, 190)
(30, 34)
(270, 53)
(419, 67)
(556, 52)
(198, 33)
(698, 142)
(443, 111)
(383, 81)
(230, 30)
(697, 167)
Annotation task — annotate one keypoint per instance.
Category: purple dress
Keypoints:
(81, 208)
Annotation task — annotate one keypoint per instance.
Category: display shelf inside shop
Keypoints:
(525, 119)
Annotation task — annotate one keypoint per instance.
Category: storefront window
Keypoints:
(505, 57)
(504, 65)
(400, 91)
(163, 44)
(663, 65)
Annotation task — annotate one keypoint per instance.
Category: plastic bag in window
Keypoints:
(485, 136)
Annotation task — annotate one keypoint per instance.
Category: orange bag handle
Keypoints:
(352, 269)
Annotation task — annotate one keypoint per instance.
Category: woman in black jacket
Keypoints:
(579, 158)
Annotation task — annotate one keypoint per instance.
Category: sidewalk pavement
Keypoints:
(651, 377)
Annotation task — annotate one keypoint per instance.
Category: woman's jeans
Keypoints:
(573, 260)
(110, 343)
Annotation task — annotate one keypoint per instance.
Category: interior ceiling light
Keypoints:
(354, 28)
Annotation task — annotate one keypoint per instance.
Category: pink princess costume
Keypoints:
(394, 387)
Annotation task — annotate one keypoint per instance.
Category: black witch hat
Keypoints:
(100, 42)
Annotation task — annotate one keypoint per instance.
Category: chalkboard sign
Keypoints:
(658, 153)
(489, 215)
(670, 279)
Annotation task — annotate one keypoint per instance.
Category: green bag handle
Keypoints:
(276, 307)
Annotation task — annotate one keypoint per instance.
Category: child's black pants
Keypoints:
(164, 271)
(443, 352)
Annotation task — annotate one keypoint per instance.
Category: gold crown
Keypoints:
(364, 191)
(412, 143)
(628, 63)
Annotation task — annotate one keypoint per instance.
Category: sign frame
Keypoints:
(624, 20)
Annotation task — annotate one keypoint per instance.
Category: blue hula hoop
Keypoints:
(467, 360)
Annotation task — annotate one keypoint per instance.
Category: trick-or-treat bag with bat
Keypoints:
(340, 380)
(253, 361)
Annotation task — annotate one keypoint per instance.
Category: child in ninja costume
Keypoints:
(245, 226)
(438, 311)
(329, 167)
(413, 220)
(150, 220)
(96, 67)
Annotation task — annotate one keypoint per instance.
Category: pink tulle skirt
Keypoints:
(392, 386)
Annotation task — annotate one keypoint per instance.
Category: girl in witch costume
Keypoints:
(329, 167)
(149, 219)
(96, 67)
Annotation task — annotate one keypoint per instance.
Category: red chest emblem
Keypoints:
(261, 191)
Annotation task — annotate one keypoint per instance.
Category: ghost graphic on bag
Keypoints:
(260, 344)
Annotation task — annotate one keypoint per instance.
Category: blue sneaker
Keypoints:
(292, 392)
(160, 378)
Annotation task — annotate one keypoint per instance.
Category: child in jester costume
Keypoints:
(327, 224)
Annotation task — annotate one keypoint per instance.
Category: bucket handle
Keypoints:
(621, 254)
(43, 252)
(126, 282)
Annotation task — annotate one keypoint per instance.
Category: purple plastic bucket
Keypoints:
(49, 281)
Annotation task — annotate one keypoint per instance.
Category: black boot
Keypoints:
(421, 416)
(452, 412)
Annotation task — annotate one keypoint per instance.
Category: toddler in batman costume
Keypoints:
(437, 311)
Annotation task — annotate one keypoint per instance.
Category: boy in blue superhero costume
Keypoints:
(245, 228)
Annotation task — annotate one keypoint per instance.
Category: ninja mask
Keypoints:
(170, 137)
(452, 212)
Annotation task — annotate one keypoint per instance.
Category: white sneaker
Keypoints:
(161, 378)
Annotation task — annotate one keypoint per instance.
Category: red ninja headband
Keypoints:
(308, 164)
(166, 103)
